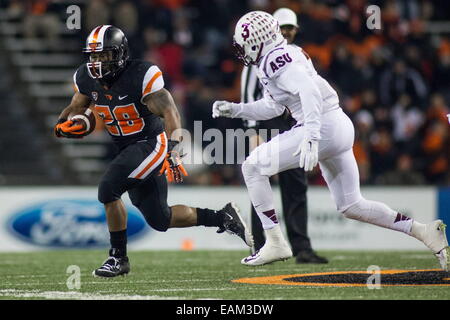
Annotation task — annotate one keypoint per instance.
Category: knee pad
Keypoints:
(156, 215)
(352, 212)
(357, 210)
(158, 226)
(157, 219)
(377, 213)
(249, 169)
(107, 192)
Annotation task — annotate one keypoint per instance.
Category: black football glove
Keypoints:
(69, 129)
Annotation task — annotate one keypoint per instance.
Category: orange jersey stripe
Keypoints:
(149, 86)
(156, 158)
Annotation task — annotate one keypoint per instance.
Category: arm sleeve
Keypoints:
(262, 109)
(152, 82)
(297, 81)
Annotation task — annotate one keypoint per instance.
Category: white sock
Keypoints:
(274, 235)
(379, 214)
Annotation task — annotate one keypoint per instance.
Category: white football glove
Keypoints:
(309, 154)
(223, 109)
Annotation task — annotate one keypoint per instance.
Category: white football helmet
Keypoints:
(256, 33)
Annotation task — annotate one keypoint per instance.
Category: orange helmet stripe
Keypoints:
(95, 35)
(95, 39)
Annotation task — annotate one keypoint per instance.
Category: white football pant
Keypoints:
(338, 166)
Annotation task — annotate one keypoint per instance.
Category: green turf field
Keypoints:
(201, 275)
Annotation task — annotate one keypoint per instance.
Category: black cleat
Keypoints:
(309, 256)
(234, 224)
(113, 267)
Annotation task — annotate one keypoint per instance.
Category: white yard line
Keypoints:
(418, 256)
(104, 295)
(106, 281)
(78, 295)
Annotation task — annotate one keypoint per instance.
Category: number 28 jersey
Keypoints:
(126, 118)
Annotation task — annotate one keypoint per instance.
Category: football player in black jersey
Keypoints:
(130, 97)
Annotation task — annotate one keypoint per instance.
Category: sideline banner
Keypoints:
(42, 218)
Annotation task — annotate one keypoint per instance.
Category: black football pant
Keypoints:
(148, 193)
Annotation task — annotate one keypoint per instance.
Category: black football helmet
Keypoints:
(108, 52)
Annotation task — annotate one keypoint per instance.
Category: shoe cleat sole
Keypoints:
(248, 236)
(266, 263)
(109, 277)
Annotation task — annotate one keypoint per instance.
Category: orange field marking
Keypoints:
(281, 279)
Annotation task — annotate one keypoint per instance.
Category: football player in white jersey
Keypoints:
(323, 134)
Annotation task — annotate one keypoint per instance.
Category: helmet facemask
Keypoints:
(105, 63)
(239, 51)
(245, 58)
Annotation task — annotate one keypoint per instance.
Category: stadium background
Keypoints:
(393, 83)
(402, 133)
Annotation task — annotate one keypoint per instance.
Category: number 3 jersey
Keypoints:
(126, 117)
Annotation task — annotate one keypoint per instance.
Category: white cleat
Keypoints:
(436, 240)
(275, 249)
(267, 254)
(444, 258)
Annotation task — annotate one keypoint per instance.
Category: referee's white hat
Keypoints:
(286, 16)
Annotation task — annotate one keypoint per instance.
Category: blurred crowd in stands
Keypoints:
(394, 83)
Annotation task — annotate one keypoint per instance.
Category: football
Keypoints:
(86, 119)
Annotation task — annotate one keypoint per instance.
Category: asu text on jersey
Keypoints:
(121, 106)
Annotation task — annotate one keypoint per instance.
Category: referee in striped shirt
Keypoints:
(293, 183)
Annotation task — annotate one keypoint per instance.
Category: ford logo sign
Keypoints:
(70, 223)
